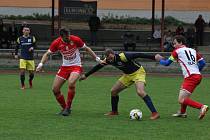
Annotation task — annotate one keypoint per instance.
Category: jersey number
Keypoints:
(190, 57)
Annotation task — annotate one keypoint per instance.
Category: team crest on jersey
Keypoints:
(29, 40)
(67, 48)
(71, 43)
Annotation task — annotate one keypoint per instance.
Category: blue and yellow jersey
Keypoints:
(125, 62)
(24, 44)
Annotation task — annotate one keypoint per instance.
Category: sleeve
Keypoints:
(94, 69)
(17, 46)
(166, 62)
(131, 56)
(199, 56)
(79, 42)
(174, 55)
(171, 59)
(201, 64)
(54, 46)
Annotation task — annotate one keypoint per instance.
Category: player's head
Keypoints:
(26, 30)
(178, 40)
(109, 54)
(64, 33)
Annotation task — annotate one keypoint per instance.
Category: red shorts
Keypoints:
(65, 71)
(191, 82)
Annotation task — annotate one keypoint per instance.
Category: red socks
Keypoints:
(60, 99)
(70, 97)
(183, 108)
(194, 104)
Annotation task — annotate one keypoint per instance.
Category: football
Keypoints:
(135, 114)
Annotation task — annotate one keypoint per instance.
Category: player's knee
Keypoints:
(71, 86)
(180, 100)
(56, 91)
(141, 93)
(114, 92)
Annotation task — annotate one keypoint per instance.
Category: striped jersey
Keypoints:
(69, 51)
(188, 59)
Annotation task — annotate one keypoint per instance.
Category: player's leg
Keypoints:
(22, 72)
(74, 76)
(57, 84)
(22, 78)
(184, 99)
(116, 89)
(140, 89)
(182, 112)
(31, 77)
(188, 87)
(30, 67)
(139, 79)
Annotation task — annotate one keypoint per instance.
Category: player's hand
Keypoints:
(82, 77)
(39, 67)
(158, 57)
(103, 62)
(16, 56)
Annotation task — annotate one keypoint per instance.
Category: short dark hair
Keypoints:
(108, 51)
(180, 39)
(64, 31)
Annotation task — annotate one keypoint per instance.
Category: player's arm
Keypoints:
(201, 64)
(167, 62)
(53, 48)
(139, 55)
(92, 53)
(43, 60)
(93, 70)
(17, 47)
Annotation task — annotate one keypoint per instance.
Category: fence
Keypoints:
(55, 60)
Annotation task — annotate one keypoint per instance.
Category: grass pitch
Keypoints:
(31, 114)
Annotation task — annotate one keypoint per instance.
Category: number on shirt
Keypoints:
(190, 57)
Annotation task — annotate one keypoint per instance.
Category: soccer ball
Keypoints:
(135, 114)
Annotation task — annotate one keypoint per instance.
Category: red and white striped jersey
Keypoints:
(187, 58)
(70, 51)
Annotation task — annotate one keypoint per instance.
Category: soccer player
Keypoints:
(191, 63)
(68, 45)
(26, 43)
(133, 73)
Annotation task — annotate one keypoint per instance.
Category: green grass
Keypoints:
(30, 114)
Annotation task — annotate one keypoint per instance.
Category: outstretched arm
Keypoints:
(93, 70)
(91, 52)
(139, 55)
(43, 60)
(167, 62)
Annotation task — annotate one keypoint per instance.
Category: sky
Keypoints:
(174, 5)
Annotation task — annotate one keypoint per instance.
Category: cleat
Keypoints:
(111, 113)
(60, 113)
(203, 111)
(66, 112)
(179, 114)
(23, 87)
(154, 116)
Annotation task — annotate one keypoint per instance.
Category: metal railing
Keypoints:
(55, 61)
